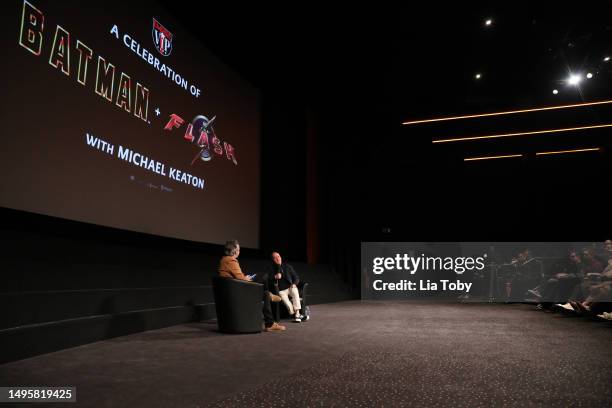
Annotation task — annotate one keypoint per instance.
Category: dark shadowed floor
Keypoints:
(349, 354)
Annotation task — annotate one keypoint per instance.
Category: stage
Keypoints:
(349, 354)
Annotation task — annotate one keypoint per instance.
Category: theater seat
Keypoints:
(238, 305)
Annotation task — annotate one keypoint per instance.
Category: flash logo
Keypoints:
(202, 133)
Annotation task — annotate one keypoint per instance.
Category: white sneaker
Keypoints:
(565, 306)
(297, 319)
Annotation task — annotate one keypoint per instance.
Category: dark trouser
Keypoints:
(520, 285)
(267, 305)
(267, 310)
(559, 290)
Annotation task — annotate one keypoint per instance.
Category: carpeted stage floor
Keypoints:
(349, 354)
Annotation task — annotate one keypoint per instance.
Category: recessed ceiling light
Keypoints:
(574, 79)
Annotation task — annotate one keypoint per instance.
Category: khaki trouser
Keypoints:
(294, 303)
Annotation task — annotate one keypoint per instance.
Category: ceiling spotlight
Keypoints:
(574, 79)
(606, 59)
(478, 76)
(488, 22)
(555, 91)
(589, 75)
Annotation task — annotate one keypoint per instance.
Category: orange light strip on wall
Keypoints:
(481, 115)
(492, 157)
(593, 149)
(536, 132)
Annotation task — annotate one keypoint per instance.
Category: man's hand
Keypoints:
(277, 276)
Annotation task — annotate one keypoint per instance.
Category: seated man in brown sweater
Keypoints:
(230, 268)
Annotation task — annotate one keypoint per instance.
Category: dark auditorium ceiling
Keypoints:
(396, 63)
(366, 68)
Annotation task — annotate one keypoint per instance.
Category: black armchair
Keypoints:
(238, 305)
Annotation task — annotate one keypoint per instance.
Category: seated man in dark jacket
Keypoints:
(287, 281)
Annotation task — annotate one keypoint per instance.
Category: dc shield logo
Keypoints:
(162, 38)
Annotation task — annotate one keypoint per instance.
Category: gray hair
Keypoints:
(231, 247)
